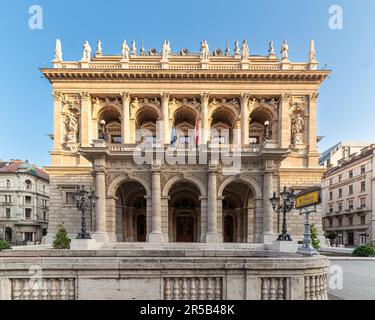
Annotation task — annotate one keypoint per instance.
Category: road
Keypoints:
(358, 279)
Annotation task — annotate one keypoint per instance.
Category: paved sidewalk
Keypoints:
(358, 279)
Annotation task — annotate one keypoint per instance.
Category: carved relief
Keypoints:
(233, 104)
(138, 103)
(298, 114)
(271, 103)
(70, 112)
(99, 103)
(175, 104)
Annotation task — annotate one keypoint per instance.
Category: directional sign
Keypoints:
(308, 197)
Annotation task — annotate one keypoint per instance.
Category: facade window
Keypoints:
(330, 221)
(350, 174)
(69, 197)
(44, 216)
(28, 236)
(340, 177)
(340, 222)
(8, 199)
(363, 220)
(330, 181)
(363, 169)
(27, 214)
(330, 208)
(8, 184)
(27, 200)
(44, 203)
(350, 221)
(339, 207)
(44, 189)
(362, 203)
(330, 195)
(350, 205)
(28, 184)
(340, 193)
(7, 213)
(363, 186)
(351, 189)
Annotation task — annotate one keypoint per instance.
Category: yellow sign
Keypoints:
(308, 199)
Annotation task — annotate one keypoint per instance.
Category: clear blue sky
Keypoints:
(346, 109)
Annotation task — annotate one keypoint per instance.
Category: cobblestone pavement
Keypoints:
(358, 280)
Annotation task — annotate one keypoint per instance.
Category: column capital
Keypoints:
(57, 96)
(245, 97)
(205, 96)
(286, 96)
(125, 96)
(85, 96)
(313, 96)
(156, 169)
(165, 96)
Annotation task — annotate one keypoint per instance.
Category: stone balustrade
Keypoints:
(161, 274)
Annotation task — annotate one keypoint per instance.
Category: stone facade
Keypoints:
(348, 199)
(258, 108)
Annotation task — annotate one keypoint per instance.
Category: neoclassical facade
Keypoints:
(259, 109)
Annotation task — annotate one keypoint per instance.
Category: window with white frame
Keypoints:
(363, 169)
(363, 186)
(7, 213)
(28, 185)
(8, 183)
(8, 199)
(362, 202)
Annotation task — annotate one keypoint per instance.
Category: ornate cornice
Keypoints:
(181, 75)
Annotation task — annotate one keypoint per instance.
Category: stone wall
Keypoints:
(161, 275)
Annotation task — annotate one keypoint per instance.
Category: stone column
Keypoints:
(156, 235)
(237, 133)
(166, 133)
(125, 121)
(100, 232)
(258, 221)
(245, 118)
(284, 121)
(85, 120)
(268, 236)
(130, 224)
(57, 133)
(212, 233)
(204, 116)
(240, 224)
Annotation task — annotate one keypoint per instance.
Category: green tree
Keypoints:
(4, 245)
(314, 237)
(62, 240)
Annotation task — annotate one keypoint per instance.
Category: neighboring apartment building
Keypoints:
(340, 151)
(348, 199)
(24, 202)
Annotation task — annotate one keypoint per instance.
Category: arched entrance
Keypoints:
(237, 212)
(184, 212)
(131, 207)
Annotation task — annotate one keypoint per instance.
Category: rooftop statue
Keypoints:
(166, 49)
(125, 50)
(284, 52)
(205, 51)
(236, 48)
(134, 49)
(99, 50)
(245, 51)
(271, 49)
(86, 52)
(58, 51)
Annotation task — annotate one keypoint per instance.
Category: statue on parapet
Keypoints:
(205, 51)
(86, 52)
(125, 50)
(166, 49)
(245, 51)
(284, 52)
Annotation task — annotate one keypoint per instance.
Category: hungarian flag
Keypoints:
(196, 132)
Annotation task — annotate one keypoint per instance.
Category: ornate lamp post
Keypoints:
(284, 206)
(83, 200)
(102, 131)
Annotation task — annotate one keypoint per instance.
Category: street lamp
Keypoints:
(102, 130)
(283, 204)
(83, 200)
